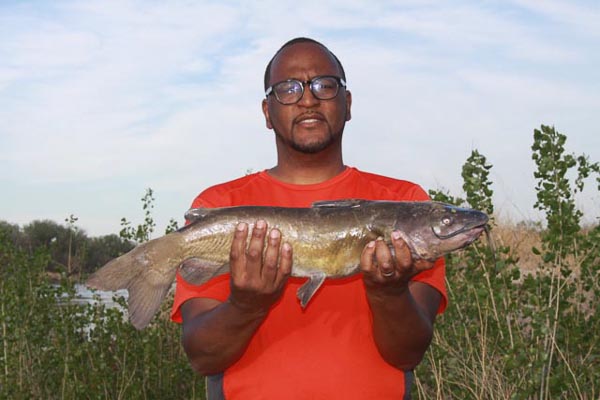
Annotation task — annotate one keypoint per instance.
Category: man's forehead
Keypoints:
(301, 56)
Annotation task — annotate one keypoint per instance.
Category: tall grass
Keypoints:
(522, 323)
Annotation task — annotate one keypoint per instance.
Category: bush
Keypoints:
(514, 335)
(51, 347)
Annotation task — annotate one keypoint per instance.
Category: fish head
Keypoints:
(437, 228)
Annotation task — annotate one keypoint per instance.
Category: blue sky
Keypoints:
(102, 99)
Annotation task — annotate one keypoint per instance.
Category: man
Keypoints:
(360, 337)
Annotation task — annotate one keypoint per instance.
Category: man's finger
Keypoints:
(269, 267)
(383, 255)
(254, 253)
(403, 256)
(237, 255)
(366, 258)
(285, 264)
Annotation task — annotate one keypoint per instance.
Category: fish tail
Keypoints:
(114, 275)
(147, 272)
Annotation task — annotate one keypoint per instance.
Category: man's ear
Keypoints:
(265, 110)
(348, 105)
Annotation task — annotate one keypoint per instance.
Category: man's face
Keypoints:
(311, 125)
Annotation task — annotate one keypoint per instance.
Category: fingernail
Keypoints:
(274, 234)
(286, 247)
(380, 238)
(371, 244)
(395, 235)
(260, 224)
(241, 226)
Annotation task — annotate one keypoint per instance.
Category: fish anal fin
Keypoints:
(144, 301)
(196, 271)
(310, 287)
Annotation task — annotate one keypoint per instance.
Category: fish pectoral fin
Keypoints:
(414, 252)
(196, 271)
(339, 203)
(308, 290)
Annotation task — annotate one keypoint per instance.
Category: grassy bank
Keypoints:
(522, 322)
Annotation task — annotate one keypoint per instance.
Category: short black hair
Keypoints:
(300, 40)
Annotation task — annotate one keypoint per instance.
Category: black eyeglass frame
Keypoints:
(340, 83)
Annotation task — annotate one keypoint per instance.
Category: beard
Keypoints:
(312, 145)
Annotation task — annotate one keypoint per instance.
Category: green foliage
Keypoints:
(142, 232)
(554, 193)
(54, 347)
(565, 249)
(445, 197)
(509, 335)
(477, 184)
(102, 249)
(71, 252)
(172, 226)
(66, 245)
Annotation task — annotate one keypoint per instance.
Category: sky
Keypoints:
(100, 100)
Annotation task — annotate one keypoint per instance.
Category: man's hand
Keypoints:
(393, 268)
(216, 334)
(257, 278)
(403, 311)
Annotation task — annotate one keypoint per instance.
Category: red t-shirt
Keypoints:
(327, 350)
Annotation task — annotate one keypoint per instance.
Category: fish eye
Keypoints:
(446, 221)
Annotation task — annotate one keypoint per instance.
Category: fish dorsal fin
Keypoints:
(339, 203)
(194, 214)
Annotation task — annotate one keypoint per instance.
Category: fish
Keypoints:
(327, 241)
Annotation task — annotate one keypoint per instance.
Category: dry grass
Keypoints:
(520, 238)
(505, 336)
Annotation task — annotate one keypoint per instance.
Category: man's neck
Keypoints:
(307, 171)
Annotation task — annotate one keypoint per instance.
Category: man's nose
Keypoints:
(308, 99)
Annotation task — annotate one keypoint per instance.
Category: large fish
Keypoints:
(327, 241)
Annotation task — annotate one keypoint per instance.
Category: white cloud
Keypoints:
(581, 17)
(168, 95)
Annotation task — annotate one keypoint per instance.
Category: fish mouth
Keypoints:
(474, 231)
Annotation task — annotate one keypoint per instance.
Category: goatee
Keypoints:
(311, 147)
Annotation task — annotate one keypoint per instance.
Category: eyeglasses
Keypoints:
(291, 91)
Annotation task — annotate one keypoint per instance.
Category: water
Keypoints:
(84, 295)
